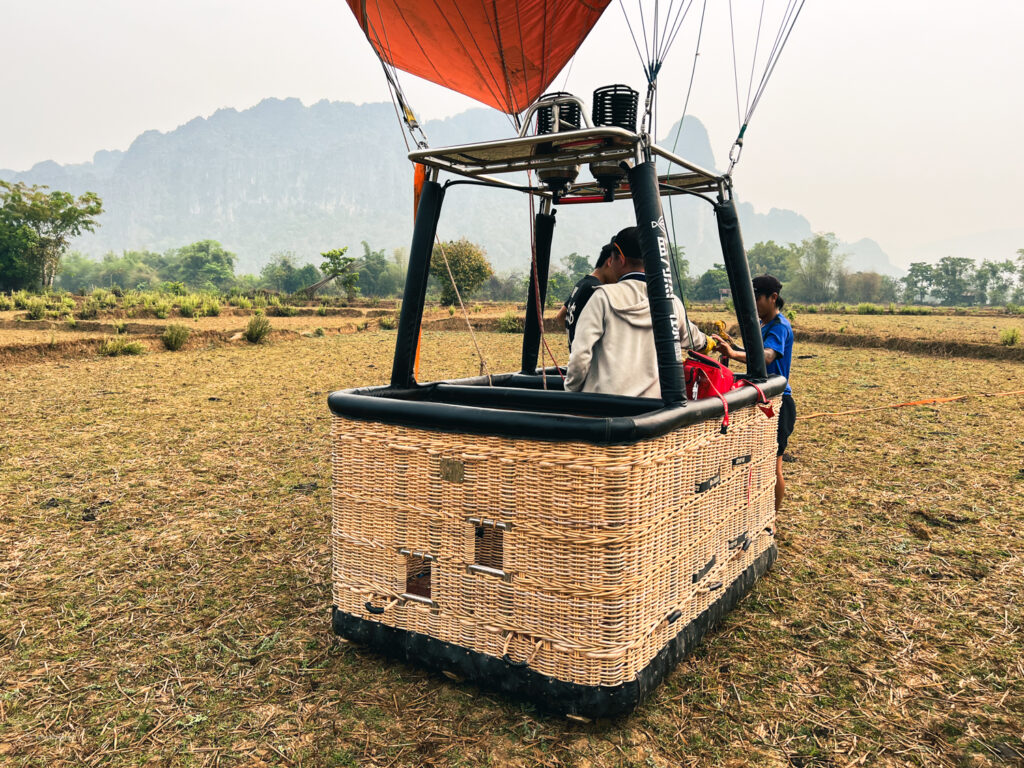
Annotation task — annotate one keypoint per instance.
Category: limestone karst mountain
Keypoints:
(282, 176)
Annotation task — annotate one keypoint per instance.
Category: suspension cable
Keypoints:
(789, 18)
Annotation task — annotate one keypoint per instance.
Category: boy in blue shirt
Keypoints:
(777, 334)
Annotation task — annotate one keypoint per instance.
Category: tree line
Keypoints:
(36, 227)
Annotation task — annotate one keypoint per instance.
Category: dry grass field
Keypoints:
(164, 577)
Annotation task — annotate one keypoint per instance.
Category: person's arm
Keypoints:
(775, 342)
(690, 336)
(560, 317)
(730, 352)
(589, 330)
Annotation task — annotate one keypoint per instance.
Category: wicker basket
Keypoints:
(583, 567)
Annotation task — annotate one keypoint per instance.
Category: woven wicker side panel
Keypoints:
(599, 545)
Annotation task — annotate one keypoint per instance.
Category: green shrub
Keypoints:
(451, 311)
(791, 315)
(211, 307)
(242, 302)
(1009, 337)
(175, 336)
(1013, 309)
(389, 322)
(90, 309)
(257, 329)
(321, 310)
(161, 310)
(71, 323)
(21, 299)
(36, 309)
(274, 301)
(120, 345)
(106, 299)
(65, 307)
(510, 322)
(5, 302)
(913, 311)
(259, 302)
(319, 333)
(281, 310)
(188, 306)
(120, 327)
(866, 308)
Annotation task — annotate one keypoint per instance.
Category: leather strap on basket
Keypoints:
(764, 403)
(725, 405)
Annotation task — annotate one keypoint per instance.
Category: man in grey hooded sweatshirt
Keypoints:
(613, 351)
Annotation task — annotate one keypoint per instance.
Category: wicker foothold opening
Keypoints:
(417, 576)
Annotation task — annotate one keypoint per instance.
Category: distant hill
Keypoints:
(284, 176)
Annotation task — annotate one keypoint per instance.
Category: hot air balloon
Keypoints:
(565, 547)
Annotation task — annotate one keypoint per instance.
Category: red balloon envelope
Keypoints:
(504, 53)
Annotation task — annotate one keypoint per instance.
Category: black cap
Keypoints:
(766, 285)
(628, 242)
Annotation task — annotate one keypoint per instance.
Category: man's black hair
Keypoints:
(766, 285)
(628, 241)
(606, 253)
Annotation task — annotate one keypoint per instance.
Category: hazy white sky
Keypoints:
(892, 120)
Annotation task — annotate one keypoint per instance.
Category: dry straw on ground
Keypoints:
(164, 579)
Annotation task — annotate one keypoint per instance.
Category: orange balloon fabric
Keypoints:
(504, 53)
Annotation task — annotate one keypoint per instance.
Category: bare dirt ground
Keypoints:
(164, 578)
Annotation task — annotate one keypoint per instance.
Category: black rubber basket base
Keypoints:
(548, 694)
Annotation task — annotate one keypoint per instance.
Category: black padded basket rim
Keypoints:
(547, 693)
(534, 414)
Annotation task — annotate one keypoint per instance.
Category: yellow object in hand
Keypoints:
(720, 326)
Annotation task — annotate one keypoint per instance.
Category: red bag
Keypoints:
(706, 377)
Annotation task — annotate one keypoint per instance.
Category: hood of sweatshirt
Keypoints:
(628, 300)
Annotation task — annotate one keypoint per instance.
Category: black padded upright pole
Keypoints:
(738, 269)
(650, 222)
(415, 292)
(543, 228)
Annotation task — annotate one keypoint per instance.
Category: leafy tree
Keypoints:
(952, 278)
(813, 267)
(337, 264)
(576, 267)
(204, 265)
(18, 268)
(1018, 294)
(709, 285)
(1001, 281)
(511, 286)
(378, 275)
(918, 282)
(890, 289)
(560, 285)
(469, 268)
(770, 258)
(35, 229)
